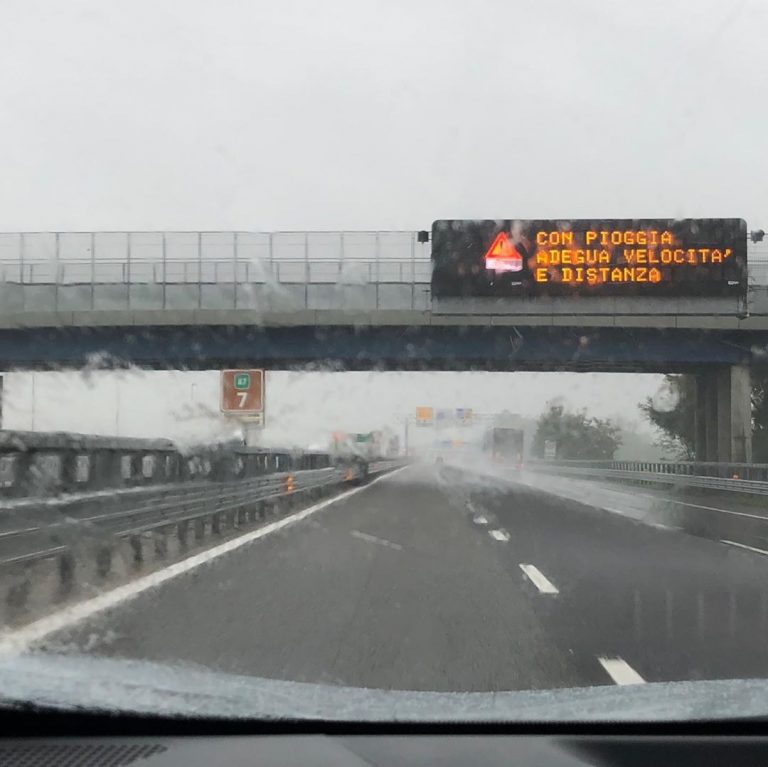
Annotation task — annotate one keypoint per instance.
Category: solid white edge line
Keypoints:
(539, 580)
(499, 535)
(744, 546)
(620, 671)
(707, 508)
(18, 640)
(658, 498)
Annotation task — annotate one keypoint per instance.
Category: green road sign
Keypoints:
(242, 381)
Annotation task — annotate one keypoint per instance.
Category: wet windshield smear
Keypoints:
(383, 363)
(163, 690)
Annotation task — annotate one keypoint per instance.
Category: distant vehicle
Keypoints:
(368, 446)
(505, 445)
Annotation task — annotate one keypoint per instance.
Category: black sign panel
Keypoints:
(604, 257)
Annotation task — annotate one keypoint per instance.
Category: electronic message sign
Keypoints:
(602, 257)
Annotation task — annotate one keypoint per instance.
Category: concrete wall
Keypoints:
(591, 305)
(17, 299)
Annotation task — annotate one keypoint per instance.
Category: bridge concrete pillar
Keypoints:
(710, 416)
(734, 426)
(700, 418)
(723, 431)
(723, 415)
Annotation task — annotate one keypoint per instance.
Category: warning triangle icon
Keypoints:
(503, 256)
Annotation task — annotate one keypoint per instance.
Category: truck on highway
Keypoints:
(505, 445)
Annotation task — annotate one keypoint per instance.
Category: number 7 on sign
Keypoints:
(242, 392)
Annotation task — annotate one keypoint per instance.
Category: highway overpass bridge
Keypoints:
(164, 566)
(354, 300)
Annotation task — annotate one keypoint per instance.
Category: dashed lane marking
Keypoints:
(539, 580)
(499, 535)
(374, 539)
(620, 671)
(480, 520)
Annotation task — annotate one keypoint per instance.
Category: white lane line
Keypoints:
(744, 546)
(499, 535)
(20, 639)
(627, 513)
(620, 671)
(708, 508)
(480, 520)
(665, 499)
(539, 580)
(614, 510)
(20, 531)
(374, 539)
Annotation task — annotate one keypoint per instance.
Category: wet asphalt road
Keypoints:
(424, 581)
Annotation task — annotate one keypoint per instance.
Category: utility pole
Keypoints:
(251, 431)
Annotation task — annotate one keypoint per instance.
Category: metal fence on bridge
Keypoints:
(287, 271)
(213, 257)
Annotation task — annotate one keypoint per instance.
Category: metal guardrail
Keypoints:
(750, 479)
(725, 470)
(376, 467)
(43, 530)
(51, 552)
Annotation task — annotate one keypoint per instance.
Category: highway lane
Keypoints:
(422, 581)
(735, 517)
(674, 606)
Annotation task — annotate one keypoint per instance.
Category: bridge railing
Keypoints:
(291, 271)
(282, 271)
(279, 271)
(209, 256)
(37, 256)
(749, 478)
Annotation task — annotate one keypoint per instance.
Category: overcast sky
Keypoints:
(358, 114)
(238, 114)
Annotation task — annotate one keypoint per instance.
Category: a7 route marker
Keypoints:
(242, 392)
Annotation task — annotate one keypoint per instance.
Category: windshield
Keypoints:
(309, 390)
